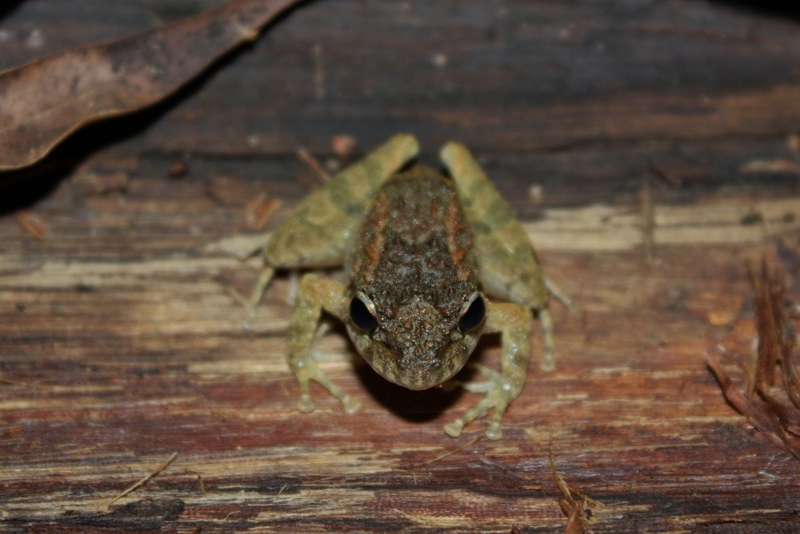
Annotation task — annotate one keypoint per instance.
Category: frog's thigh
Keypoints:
(508, 264)
(314, 294)
(509, 269)
(514, 323)
(317, 230)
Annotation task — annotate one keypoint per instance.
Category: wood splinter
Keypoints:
(144, 480)
(574, 510)
(765, 409)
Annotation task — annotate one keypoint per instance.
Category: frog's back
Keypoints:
(415, 243)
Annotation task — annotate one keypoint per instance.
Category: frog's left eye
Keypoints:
(474, 316)
(361, 315)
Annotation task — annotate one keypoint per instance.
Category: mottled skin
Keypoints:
(415, 266)
(422, 253)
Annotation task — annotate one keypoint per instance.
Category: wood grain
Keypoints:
(122, 340)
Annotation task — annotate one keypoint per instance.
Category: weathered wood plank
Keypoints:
(529, 92)
(117, 359)
(121, 339)
(520, 76)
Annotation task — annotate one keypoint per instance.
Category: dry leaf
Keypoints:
(47, 100)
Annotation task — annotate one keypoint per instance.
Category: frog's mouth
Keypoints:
(414, 369)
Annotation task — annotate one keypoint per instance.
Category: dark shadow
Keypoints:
(413, 406)
(22, 188)
(7, 7)
(786, 10)
(422, 406)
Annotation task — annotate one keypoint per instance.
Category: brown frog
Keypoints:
(422, 252)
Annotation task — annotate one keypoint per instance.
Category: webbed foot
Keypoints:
(499, 392)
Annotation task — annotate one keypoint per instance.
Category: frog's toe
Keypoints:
(454, 429)
(494, 380)
(305, 405)
(494, 432)
(498, 393)
(351, 405)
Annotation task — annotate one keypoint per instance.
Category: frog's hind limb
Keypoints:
(514, 323)
(314, 294)
(546, 321)
(316, 232)
(264, 278)
(509, 269)
(560, 296)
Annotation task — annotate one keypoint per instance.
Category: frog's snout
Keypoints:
(420, 339)
(417, 347)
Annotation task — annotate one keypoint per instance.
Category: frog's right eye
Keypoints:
(474, 315)
(361, 315)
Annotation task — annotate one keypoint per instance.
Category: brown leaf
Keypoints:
(47, 100)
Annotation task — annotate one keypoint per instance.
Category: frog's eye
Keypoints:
(473, 317)
(361, 315)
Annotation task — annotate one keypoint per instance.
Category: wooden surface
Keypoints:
(121, 338)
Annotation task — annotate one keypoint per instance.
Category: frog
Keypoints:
(433, 261)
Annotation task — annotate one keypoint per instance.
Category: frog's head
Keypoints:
(416, 344)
